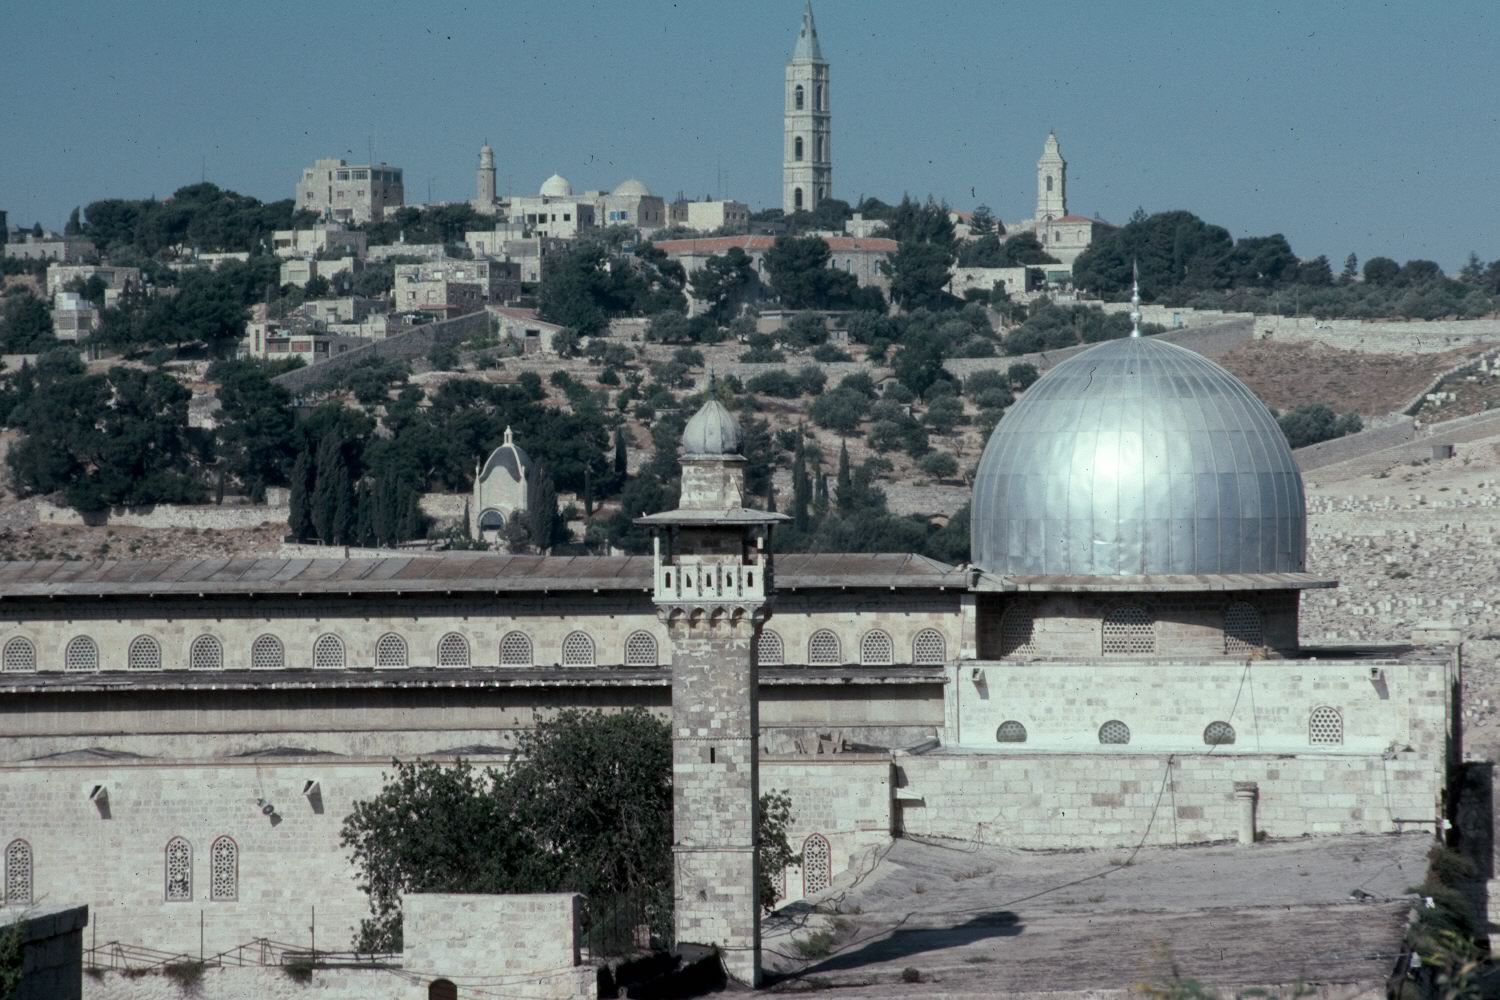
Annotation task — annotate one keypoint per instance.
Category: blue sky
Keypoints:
(1366, 127)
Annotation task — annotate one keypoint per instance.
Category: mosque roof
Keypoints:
(712, 431)
(1132, 459)
(556, 186)
(632, 188)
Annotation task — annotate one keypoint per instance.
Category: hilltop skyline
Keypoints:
(1346, 129)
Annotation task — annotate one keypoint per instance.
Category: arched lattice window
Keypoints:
(1114, 731)
(1242, 629)
(578, 650)
(797, 148)
(875, 648)
(224, 864)
(17, 873)
(143, 654)
(19, 656)
(823, 648)
(1017, 627)
(928, 647)
(515, 649)
(206, 653)
(1218, 734)
(817, 864)
(1128, 631)
(266, 653)
(179, 861)
(453, 651)
(328, 653)
(81, 654)
(768, 649)
(390, 651)
(799, 97)
(1325, 726)
(640, 650)
(1010, 731)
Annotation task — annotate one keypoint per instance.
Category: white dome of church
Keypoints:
(712, 431)
(632, 188)
(1137, 457)
(556, 186)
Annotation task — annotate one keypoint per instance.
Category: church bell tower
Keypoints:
(1051, 182)
(807, 155)
(712, 586)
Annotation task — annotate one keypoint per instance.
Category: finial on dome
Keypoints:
(508, 438)
(1135, 299)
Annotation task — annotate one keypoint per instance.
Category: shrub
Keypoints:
(939, 465)
(778, 382)
(829, 353)
(860, 382)
(812, 378)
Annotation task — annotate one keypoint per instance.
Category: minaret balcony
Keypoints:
(709, 581)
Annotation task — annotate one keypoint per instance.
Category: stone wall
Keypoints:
(51, 950)
(524, 944)
(403, 346)
(199, 517)
(255, 982)
(1404, 441)
(1211, 341)
(1325, 453)
(1380, 336)
(844, 799)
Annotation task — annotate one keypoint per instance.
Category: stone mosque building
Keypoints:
(180, 741)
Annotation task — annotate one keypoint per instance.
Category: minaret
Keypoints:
(1051, 182)
(807, 159)
(712, 587)
(484, 179)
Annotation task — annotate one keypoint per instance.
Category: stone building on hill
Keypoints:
(502, 489)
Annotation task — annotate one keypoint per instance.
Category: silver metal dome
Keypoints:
(712, 431)
(1138, 457)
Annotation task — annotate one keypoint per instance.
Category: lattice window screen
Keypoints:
(1011, 731)
(179, 871)
(1325, 726)
(224, 859)
(1242, 629)
(453, 651)
(1218, 734)
(929, 647)
(1114, 731)
(266, 653)
(390, 651)
(823, 648)
(1017, 628)
(817, 864)
(144, 654)
(328, 653)
(17, 873)
(515, 649)
(206, 653)
(768, 649)
(20, 656)
(81, 654)
(640, 650)
(1129, 631)
(875, 648)
(578, 650)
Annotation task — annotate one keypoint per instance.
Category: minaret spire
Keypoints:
(1135, 299)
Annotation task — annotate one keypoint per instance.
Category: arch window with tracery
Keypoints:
(823, 649)
(206, 653)
(328, 653)
(928, 647)
(267, 653)
(515, 650)
(224, 862)
(453, 651)
(390, 651)
(1218, 734)
(578, 650)
(17, 873)
(875, 649)
(1243, 632)
(817, 864)
(1017, 631)
(1114, 732)
(1010, 731)
(143, 654)
(19, 656)
(769, 651)
(179, 871)
(81, 654)
(1325, 726)
(1128, 631)
(640, 650)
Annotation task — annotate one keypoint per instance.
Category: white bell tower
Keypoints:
(807, 154)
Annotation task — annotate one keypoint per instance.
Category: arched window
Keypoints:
(19, 656)
(266, 653)
(640, 650)
(768, 649)
(578, 650)
(929, 647)
(1114, 731)
(1325, 726)
(390, 651)
(328, 653)
(453, 651)
(442, 989)
(206, 653)
(875, 648)
(797, 199)
(798, 97)
(817, 864)
(81, 654)
(824, 649)
(143, 654)
(179, 862)
(819, 104)
(515, 649)
(797, 148)
(1049, 183)
(1017, 631)
(1128, 631)
(818, 149)
(1242, 629)
(1010, 731)
(17, 873)
(1218, 734)
(224, 870)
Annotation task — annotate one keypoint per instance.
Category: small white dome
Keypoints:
(633, 188)
(556, 186)
(712, 431)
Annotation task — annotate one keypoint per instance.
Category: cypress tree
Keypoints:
(299, 520)
(325, 494)
(820, 494)
(770, 496)
(541, 511)
(588, 492)
(342, 529)
(846, 480)
(801, 488)
(620, 452)
(364, 520)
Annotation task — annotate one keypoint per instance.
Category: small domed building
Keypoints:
(502, 487)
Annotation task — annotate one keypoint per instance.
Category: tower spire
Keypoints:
(807, 49)
(1135, 299)
(807, 147)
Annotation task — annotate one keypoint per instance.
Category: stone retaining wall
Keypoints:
(1210, 340)
(403, 346)
(201, 517)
